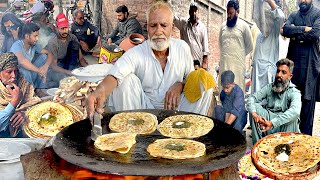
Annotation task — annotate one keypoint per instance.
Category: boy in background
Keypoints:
(232, 111)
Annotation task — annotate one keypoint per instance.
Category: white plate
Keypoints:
(92, 73)
(12, 150)
(52, 91)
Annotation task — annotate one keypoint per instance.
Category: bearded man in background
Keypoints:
(276, 107)
(303, 29)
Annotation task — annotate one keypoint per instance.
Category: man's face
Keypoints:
(193, 12)
(8, 24)
(282, 79)
(159, 29)
(79, 18)
(304, 5)
(33, 38)
(122, 16)
(232, 17)
(9, 76)
(63, 32)
(228, 88)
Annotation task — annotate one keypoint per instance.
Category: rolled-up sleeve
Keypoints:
(5, 116)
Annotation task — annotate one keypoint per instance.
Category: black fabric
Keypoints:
(71, 60)
(307, 116)
(303, 52)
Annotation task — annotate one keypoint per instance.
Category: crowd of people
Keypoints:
(157, 73)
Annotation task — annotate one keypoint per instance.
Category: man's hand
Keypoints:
(84, 46)
(266, 124)
(307, 29)
(109, 41)
(95, 103)
(172, 97)
(15, 93)
(17, 119)
(15, 33)
(83, 62)
(205, 62)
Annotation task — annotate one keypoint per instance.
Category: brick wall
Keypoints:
(212, 14)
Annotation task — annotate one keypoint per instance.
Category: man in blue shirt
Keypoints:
(32, 59)
(16, 95)
(233, 110)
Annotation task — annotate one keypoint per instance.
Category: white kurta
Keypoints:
(143, 84)
(235, 43)
(266, 53)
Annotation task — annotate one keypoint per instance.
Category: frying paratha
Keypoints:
(48, 118)
(185, 126)
(119, 142)
(176, 149)
(134, 122)
(286, 155)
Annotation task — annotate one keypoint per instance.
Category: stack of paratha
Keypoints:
(185, 126)
(287, 156)
(47, 119)
(134, 122)
(176, 149)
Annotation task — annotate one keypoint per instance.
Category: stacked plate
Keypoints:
(76, 115)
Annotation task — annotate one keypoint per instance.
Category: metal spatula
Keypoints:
(96, 127)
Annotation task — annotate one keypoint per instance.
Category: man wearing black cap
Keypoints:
(126, 26)
(194, 32)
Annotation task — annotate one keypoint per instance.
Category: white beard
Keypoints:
(160, 45)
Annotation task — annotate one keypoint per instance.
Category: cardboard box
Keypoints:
(110, 54)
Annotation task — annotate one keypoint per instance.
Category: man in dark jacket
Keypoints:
(87, 34)
(126, 26)
(303, 29)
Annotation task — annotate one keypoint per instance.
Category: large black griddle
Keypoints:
(224, 146)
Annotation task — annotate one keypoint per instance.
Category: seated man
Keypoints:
(126, 26)
(282, 104)
(65, 48)
(33, 60)
(233, 110)
(87, 34)
(11, 26)
(16, 95)
(151, 75)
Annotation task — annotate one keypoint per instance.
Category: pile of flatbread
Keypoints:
(48, 118)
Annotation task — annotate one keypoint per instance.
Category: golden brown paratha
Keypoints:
(286, 155)
(176, 149)
(134, 122)
(119, 142)
(185, 126)
(49, 118)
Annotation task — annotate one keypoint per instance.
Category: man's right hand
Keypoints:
(109, 41)
(95, 103)
(16, 94)
(84, 46)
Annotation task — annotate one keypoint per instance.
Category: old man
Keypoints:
(16, 94)
(151, 75)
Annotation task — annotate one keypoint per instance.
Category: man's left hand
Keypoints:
(173, 95)
(17, 119)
